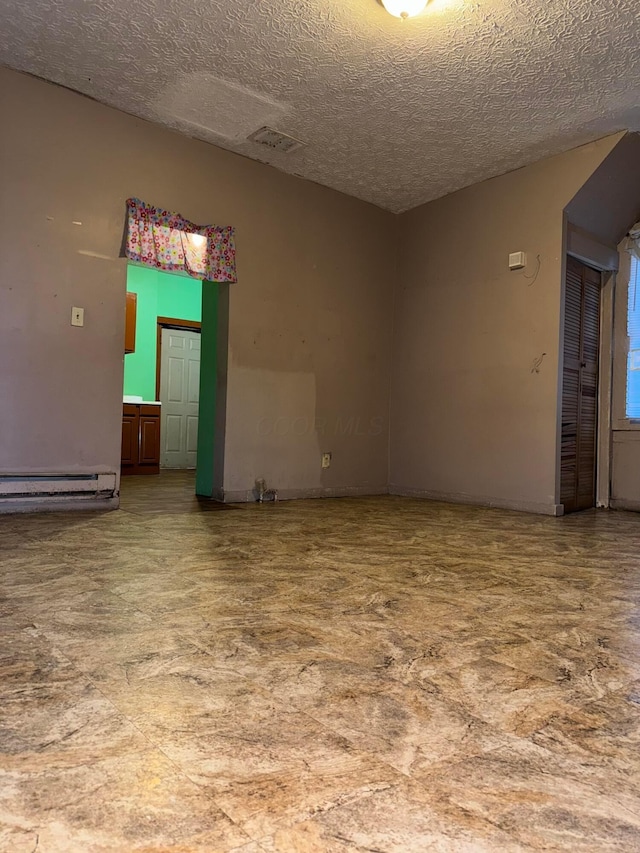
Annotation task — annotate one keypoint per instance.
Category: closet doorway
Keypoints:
(583, 287)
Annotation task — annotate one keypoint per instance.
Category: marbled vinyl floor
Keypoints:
(373, 674)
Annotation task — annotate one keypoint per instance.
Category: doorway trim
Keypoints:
(171, 323)
(587, 248)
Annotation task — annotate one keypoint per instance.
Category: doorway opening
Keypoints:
(171, 378)
(579, 439)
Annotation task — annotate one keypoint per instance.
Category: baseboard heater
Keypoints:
(22, 490)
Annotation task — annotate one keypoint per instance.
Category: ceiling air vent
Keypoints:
(275, 140)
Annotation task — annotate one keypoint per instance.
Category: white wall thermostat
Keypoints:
(517, 260)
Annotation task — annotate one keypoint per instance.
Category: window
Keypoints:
(633, 332)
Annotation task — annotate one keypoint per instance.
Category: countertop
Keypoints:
(138, 401)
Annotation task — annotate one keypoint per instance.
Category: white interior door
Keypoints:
(179, 395)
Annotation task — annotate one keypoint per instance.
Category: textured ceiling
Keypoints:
(393, 112)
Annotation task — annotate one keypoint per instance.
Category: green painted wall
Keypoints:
(160, 294)
(208, 380)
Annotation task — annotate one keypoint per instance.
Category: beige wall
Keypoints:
(471, 419)
(309, 330)
(609, 202)
(310, 319)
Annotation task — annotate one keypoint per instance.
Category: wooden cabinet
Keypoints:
(140, 439)
(130, 323)
(129, 438)
(149, 440)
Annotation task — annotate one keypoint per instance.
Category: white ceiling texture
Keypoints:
(393, 112)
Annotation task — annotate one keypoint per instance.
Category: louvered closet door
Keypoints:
(580, 386)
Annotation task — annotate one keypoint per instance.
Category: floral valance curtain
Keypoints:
(167, 241)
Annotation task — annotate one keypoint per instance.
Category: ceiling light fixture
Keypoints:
(404, 8)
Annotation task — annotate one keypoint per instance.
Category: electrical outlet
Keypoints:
(77, 316)
(326, 460)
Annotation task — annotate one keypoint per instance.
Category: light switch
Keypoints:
(77, 316)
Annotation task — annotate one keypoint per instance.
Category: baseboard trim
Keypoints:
(305, 494)
(621, 503)
(479, 500)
